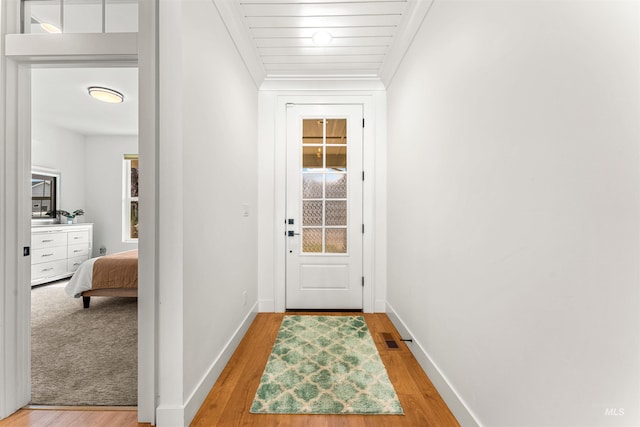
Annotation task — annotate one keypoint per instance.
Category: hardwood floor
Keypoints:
(72, 417)
(229, 401)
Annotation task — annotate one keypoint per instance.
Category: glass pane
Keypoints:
(336, 240)
(121, 16)
(83, 17)
(312, 212)
(312, 157)
(134, 178)
(336, 186)
(312, 186)
(337, 158)
(312, 131)
(336, 212)
(336, 131)
(42, 16)
(134, 220)
(312, 240)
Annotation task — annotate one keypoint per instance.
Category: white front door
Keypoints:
(324, 207)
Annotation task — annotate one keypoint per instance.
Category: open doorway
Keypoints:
(82, 356)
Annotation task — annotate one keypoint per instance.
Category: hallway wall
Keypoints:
(513, 207)
(220, 122)
(207, 172)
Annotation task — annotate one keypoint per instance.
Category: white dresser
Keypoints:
(57, 250)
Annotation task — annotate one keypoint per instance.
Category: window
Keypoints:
(130, 199)
(79, 16)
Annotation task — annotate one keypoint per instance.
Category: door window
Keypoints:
(324, 186)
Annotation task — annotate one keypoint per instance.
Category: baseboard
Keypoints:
(170, 416)
(457, 406)
(380, 306)
(183, 416)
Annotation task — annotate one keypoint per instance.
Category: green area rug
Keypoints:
(325, 365)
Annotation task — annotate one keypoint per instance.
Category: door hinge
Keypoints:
(363, 175)
(363, 122)
(362, 228)
(363, 281)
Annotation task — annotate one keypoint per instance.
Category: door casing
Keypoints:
(272, 146)
(15, 348)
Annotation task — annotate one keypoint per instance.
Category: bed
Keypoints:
(114, 275)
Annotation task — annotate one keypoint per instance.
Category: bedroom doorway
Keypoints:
(82, 143)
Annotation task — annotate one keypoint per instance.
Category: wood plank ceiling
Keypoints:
(367, 37)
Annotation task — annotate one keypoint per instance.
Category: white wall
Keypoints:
(56, 148)
(220, 118)
(514, 205)
(208, 171)
(104, 190)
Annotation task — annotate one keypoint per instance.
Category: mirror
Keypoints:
(45, 194)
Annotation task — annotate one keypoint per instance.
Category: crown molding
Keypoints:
(411, 22)
(232, 17)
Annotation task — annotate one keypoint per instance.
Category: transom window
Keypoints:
(79, 16)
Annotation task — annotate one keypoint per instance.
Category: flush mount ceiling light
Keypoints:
(105, 94)
(50, 28)
(47, 26)
(321, 38)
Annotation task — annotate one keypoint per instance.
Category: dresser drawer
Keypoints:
(80, 236)
(78, 250)
(74, 263)
(48, 269)
(48, 254)
(48, 240)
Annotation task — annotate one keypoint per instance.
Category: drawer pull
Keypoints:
(47, 240)
(76, 238)
(75, 264)
(77, 250)
(44, 255)
(47, 269)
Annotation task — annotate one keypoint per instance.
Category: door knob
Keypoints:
(291, 233)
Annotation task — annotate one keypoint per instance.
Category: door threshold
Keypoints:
(80, 408)
(324, 310)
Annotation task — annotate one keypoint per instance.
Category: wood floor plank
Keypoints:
(72, 418)
(231, 397)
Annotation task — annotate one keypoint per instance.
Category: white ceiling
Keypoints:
(59, 97)
(369, 36)
(274, 39)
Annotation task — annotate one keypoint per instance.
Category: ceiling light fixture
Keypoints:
(50, 28)
(321, 38)
(106, 95)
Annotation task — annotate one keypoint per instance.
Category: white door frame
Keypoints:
(15, 224)
(374, 214)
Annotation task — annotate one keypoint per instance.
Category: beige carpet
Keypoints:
(82, 357)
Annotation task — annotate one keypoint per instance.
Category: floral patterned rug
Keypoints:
(325, 365)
